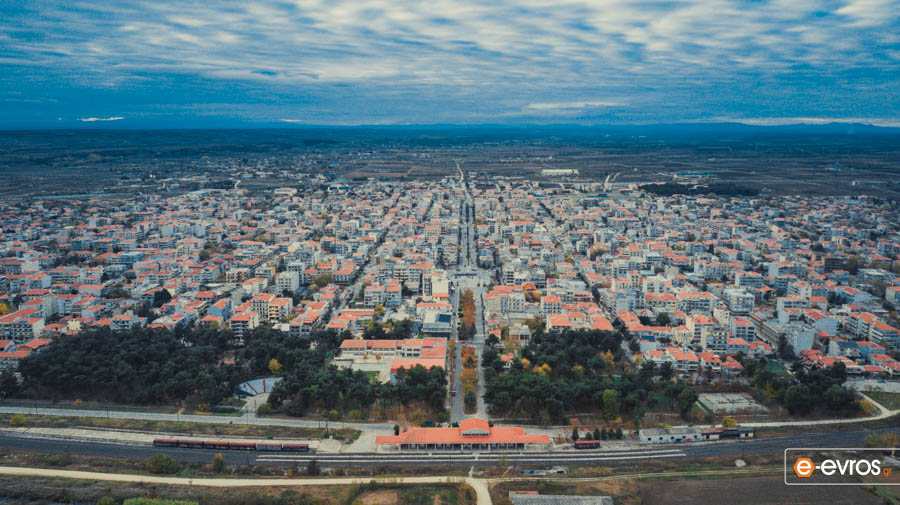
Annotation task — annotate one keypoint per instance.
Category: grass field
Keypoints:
(890, 401)
(775, 367)
(111, 407)
(192, 428)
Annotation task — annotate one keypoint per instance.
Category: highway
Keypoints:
(611, 454)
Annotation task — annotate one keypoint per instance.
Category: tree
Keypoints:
(884, 440)
(839, 398)
(608, 359)
(323, 279)
(544, 370)
(312, 468)
(218, 463)
(785, 350)
(396, 429)
(619, 433)
(275, 367)
(685, 401)
(162, 464)
(666, 371)
(17, 420)
(797, 399)
(118, 292)
(575, 434)
(852, 265)
(596, 433)
(471, 400)
(161, 297)
(144, 366)
(729, 422)
(610, 404)
(604, 434)
(9, 384)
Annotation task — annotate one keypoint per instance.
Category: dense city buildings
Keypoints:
(694, 280)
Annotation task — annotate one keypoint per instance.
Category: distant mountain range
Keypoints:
(668, 129)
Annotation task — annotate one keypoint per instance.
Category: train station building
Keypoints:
(472, 434)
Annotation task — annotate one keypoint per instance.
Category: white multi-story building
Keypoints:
(739, 301)
(288, 281)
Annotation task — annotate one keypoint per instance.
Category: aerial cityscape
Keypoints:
(371, 253)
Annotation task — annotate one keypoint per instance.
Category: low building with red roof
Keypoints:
(472, 434)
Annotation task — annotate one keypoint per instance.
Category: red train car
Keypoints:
(242, 446)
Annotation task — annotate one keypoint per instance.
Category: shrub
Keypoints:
(156, 501)
(106, 500)
(18, 420)
(58, 460)
(218, 463)
(162, 464)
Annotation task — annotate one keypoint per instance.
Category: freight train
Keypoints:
(221, 445)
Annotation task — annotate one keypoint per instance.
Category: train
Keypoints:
(587, 444)
(222, 445)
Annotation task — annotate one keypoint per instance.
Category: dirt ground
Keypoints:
(751, 491)
(383, 497)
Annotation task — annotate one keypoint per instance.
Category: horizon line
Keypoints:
(283, 125)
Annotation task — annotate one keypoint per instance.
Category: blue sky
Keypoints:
(245, 63)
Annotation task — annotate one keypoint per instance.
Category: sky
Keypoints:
(226, 63)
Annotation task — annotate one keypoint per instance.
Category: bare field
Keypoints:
(779, 161)
(751, 491)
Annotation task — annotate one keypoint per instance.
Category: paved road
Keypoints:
(469, 276)
(610, 454)
(479, 485)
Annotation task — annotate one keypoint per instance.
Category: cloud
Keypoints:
(779, 121)
(292, 120)
(93, 119)
(380, 60)
(571, 105)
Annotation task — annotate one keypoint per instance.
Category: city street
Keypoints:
(468, 275)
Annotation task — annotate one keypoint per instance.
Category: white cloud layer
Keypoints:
(571, 105)
(525, 56)
(94, 119)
